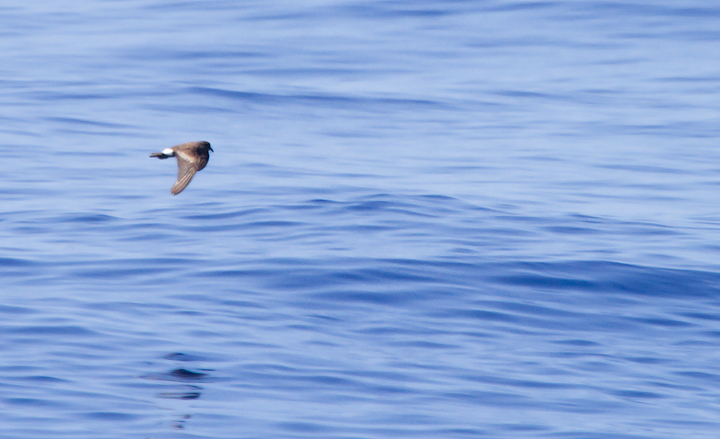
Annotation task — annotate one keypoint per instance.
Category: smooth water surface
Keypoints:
(430, 219)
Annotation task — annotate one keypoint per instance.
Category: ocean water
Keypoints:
(426, 219)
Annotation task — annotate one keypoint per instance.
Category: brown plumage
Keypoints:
(191, 157)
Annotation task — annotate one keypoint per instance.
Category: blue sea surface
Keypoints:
(425, 219)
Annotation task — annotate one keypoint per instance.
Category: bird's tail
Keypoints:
(160, 155)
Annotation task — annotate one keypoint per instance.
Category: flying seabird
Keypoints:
(191, 157)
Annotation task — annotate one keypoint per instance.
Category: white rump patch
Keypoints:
(168, 151)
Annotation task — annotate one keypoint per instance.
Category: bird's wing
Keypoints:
(186, 172)
(203, 161)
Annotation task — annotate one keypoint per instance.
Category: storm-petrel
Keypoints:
(191, 157)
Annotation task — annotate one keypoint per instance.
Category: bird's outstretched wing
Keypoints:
(186, 172)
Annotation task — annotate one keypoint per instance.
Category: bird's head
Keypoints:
(203, 146)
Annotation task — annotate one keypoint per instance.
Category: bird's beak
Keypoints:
(211, 148)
